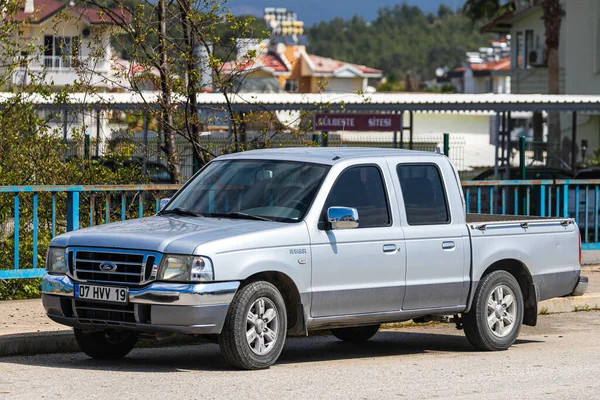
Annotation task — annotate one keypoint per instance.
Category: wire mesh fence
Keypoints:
(148, 148)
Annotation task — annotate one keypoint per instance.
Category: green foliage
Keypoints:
(595, 160)
(20, 289)
(401, 39)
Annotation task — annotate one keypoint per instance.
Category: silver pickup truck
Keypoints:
(264, 244)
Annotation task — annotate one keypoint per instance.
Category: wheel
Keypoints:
(255, 327)
(356, 334)
(496, 315)
(105, 345)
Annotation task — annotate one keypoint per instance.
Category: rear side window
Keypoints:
(423, 193)
(361, 188)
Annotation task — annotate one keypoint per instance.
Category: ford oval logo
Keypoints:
(108, 266)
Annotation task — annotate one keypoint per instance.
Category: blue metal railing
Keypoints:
(38, 213)
(568, 198)
(103, 204)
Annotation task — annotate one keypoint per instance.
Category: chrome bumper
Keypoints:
(582, 285)
(157, 308)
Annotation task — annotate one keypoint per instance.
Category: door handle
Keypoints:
(388, 248)
(448, 245)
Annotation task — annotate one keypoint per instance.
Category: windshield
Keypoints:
(251, 189)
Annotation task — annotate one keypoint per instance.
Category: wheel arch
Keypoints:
(523, 276)
(291, 296)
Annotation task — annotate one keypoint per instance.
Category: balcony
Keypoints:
(57, 62)
(61, 71)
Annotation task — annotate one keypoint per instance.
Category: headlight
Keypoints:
(185, 268)
(56, 262)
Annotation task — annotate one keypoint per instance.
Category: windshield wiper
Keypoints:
(181, 211)
(238, 214)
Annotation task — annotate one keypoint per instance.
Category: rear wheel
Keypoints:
(496, 315)
(255, 327)
(105, 345)
(356, 334)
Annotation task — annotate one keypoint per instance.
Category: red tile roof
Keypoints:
(266, 60)
(501, 65)
(96, 16)
(45, 9)
(325, 65)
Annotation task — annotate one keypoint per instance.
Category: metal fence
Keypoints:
(147, 148)
(39, 213)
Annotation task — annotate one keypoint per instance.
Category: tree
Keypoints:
(552, 11)
(181, 40)
(401, 39)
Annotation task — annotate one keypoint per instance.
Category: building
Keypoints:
(484, 71)
(63, 37)
(578, 57)
(282, 63)
(62, 44)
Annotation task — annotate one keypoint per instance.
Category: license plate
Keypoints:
(102, 293)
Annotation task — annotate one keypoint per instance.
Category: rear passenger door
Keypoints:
(435, 244)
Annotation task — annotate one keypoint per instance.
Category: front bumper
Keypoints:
(157, 308)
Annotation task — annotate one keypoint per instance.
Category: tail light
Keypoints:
(580, 253)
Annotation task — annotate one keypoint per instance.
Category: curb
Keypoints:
(586, 302)
(38, 343)
(28, 344)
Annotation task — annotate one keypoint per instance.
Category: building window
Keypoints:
(58, 51)
(524, 44)
(291, 85)
(529, 47)
(519, 50)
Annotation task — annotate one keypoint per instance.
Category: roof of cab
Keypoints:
(322, 155)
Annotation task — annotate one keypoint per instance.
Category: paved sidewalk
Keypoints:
(25, 329)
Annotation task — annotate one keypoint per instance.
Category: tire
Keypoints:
(253, 335)
(499, 333)
(356, 334)
(105, 345)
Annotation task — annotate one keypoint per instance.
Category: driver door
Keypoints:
(359, 270)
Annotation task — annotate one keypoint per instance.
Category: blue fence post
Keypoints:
(566, 201)
(542, 200)
(72, 211)
(16, 232)
(35, 230)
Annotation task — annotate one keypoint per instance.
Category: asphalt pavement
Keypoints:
(25, 328)
(560, 358)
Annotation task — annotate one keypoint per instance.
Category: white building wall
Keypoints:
(582, 41)
(94, 71)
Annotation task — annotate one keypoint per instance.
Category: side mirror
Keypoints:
(163, 203)
(342, 217)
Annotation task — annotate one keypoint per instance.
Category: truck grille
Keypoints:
(94, 313)
(132, 268)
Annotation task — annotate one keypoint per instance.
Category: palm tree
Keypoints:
(478, 10)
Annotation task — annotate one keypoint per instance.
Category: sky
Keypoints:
(314, 11)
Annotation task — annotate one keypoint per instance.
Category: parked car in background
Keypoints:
(156, 172)
(588, 173)
(586, 218)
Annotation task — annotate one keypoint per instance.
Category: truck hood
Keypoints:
(165, 234)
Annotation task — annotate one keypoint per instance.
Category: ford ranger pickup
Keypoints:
(265, 244)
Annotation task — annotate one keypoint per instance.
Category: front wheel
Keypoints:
(105, 345)
(356, 334)
(496, 315)
(255, 327)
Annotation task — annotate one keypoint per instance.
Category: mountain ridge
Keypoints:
(315, 11)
